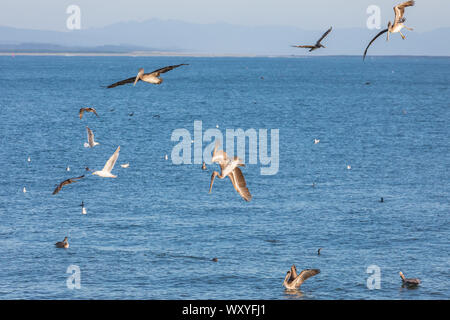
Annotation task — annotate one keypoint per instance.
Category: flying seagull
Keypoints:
(152, 77)
(318, 44)
(106, 171)
(63, 244)
(91, 142)
(66, 182)
(395, 27)
(229, 167)
(293, 281)
(409, 281)
(82, 110)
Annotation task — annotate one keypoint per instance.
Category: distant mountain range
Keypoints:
(219, 38)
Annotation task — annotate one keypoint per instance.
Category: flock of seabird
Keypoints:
(230, 167)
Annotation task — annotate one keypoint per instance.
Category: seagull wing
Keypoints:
(90, 135)
(111, 161)
(324, 35)
(156, 73)
(238, 180)
(379, 34)
(400, 10)
(119, 83)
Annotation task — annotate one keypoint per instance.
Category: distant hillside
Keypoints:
(220, 38)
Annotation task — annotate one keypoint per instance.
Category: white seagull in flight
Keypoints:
(106, 171)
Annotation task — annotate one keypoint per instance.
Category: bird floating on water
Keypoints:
(82, 110)
(318, 44)
(125, 165)
(66, 182)
(166, 157)
(106, 171)
(29, 159)
(349, 167)
(83, 209)
(318, 251)
(204, 166)
(24, 190)
(67, 168)
(395, 27)
(91, 142)
(316, 141)
(230, 167)
(411, 282)
(63, 244)
(152, 77)
(293, 281)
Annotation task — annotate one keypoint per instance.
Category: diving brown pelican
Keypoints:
(106, 171)
(66, 182)
(318, 44)
(395, 27)
(82, 110)
(409, 281)
(91, 142)
(152, 77)
(63, 244)
(293, 281)
(229, 167)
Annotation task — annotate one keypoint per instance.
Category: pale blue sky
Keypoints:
(307, 14)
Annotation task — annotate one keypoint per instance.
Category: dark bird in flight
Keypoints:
(230, 167)
(66, 182)
(82, 110)
(395, 27)
(293, 281)
(63, 244)
(318, 44)
(411, 282)
(152, 77)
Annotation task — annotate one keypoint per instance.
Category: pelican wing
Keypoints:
(308, 273)
(306, 47)
(90, 136)
(80, 113)
(324, 35)
(156, 73)
(111, 161)
(379, 34)
(92, 110)
(238, 180)
(220, 156)
(66, 182)
(119, 83)
(400, 10)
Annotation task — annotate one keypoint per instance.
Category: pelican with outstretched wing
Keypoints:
(318, 44)
(292, 281)
(152, 77)
(230, 167)
(395, 27)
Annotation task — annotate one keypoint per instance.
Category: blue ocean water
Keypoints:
(152, 232)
